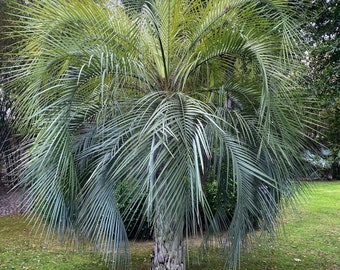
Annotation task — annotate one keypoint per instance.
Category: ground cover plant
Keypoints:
(312, 234)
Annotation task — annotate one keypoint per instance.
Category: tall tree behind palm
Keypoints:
(155, 100)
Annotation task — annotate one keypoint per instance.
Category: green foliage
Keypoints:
(5, 103)
(221, 193)
(322, 79)
(221, 199)
(136, 225)
(9, 135)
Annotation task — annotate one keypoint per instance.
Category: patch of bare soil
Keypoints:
(9, 200)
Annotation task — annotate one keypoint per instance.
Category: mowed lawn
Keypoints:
(310, 241)
(311, 236)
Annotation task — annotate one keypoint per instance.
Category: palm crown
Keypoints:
(157, 99)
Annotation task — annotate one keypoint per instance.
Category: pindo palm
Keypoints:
(157, 101)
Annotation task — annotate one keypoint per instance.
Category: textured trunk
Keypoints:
(169, 252)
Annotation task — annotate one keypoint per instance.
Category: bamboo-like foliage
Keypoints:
(156, 99)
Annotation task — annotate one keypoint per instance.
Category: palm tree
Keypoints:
(155, 101)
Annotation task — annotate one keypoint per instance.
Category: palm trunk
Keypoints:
(169, 251)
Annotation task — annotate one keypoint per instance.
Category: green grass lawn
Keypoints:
(311, 238)
(310, 241)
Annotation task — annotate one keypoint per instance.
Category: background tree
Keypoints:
(322, 81)
(8, 135)
(159, 100)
